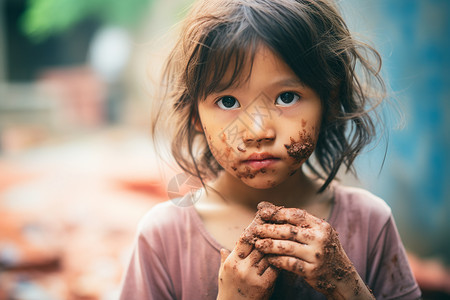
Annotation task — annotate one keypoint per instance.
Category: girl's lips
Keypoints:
(259, 156)
(260, 160)
(259, 164)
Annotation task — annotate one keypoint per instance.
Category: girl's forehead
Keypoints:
(238, 73)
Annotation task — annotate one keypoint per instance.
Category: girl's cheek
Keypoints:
(301, 148)
(222, 151)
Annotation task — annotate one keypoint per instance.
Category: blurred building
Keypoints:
(414, 40)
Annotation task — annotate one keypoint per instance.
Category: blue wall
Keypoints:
(413, 37)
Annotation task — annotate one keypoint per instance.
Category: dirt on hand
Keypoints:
(334, 266)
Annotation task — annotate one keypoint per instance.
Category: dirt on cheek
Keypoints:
(300, 150)
(304, 123)
(228, 151)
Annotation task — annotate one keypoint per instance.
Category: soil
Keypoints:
(300, 150)
(335, 267)
(267, 210)
(247, 172)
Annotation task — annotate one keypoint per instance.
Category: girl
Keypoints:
(259, 88)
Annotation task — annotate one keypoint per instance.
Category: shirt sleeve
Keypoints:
(390, 276)
(146, 276)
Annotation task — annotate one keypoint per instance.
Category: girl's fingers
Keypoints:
(285, 248)
(285, 232)
(271, 213)
(243, 249)
(245, 243)
(223, 255)
(290, 264)
(254, 257)
(270, 274)
(262, 266)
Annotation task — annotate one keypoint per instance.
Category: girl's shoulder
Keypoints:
(165, 218)
(354, 202)
(360, 198)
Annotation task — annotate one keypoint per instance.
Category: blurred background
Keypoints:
(77, 168)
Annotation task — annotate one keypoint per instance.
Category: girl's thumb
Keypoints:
(223, 255)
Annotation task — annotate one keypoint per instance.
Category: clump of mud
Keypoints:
(300, 150)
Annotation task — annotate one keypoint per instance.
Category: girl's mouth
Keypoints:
(258, 161)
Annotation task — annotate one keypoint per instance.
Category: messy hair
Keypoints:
(314, 41)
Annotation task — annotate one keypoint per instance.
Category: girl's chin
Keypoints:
(260, 183)
(268, 181)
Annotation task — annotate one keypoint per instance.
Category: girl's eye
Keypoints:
(228, 103)
(287, 99)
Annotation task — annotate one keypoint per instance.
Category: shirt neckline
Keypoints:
(217, 246)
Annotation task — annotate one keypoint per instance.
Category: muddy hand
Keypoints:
(310, 247)
(244, 272)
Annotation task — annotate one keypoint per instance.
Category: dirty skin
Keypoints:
(300, 150)
(335, 265)
(247, 173)
(250, 234)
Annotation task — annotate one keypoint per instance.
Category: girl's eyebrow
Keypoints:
(290, 82)
(285, 82)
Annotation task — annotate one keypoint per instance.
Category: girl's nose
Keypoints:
(258, 133)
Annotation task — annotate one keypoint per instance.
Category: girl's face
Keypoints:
(264, 129)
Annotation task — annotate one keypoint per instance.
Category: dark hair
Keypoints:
(311, 37)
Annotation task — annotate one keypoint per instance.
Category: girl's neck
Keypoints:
(298, 191)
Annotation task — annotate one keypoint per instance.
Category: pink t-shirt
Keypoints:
(175, 257)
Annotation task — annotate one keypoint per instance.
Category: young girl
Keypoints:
(258, 88)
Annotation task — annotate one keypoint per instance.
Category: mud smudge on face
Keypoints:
(271, 183)
(247, 173)
(228, 151)
(300, 150)
(241, 149)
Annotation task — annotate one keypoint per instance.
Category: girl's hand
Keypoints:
(310, 247)
(245, 273)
